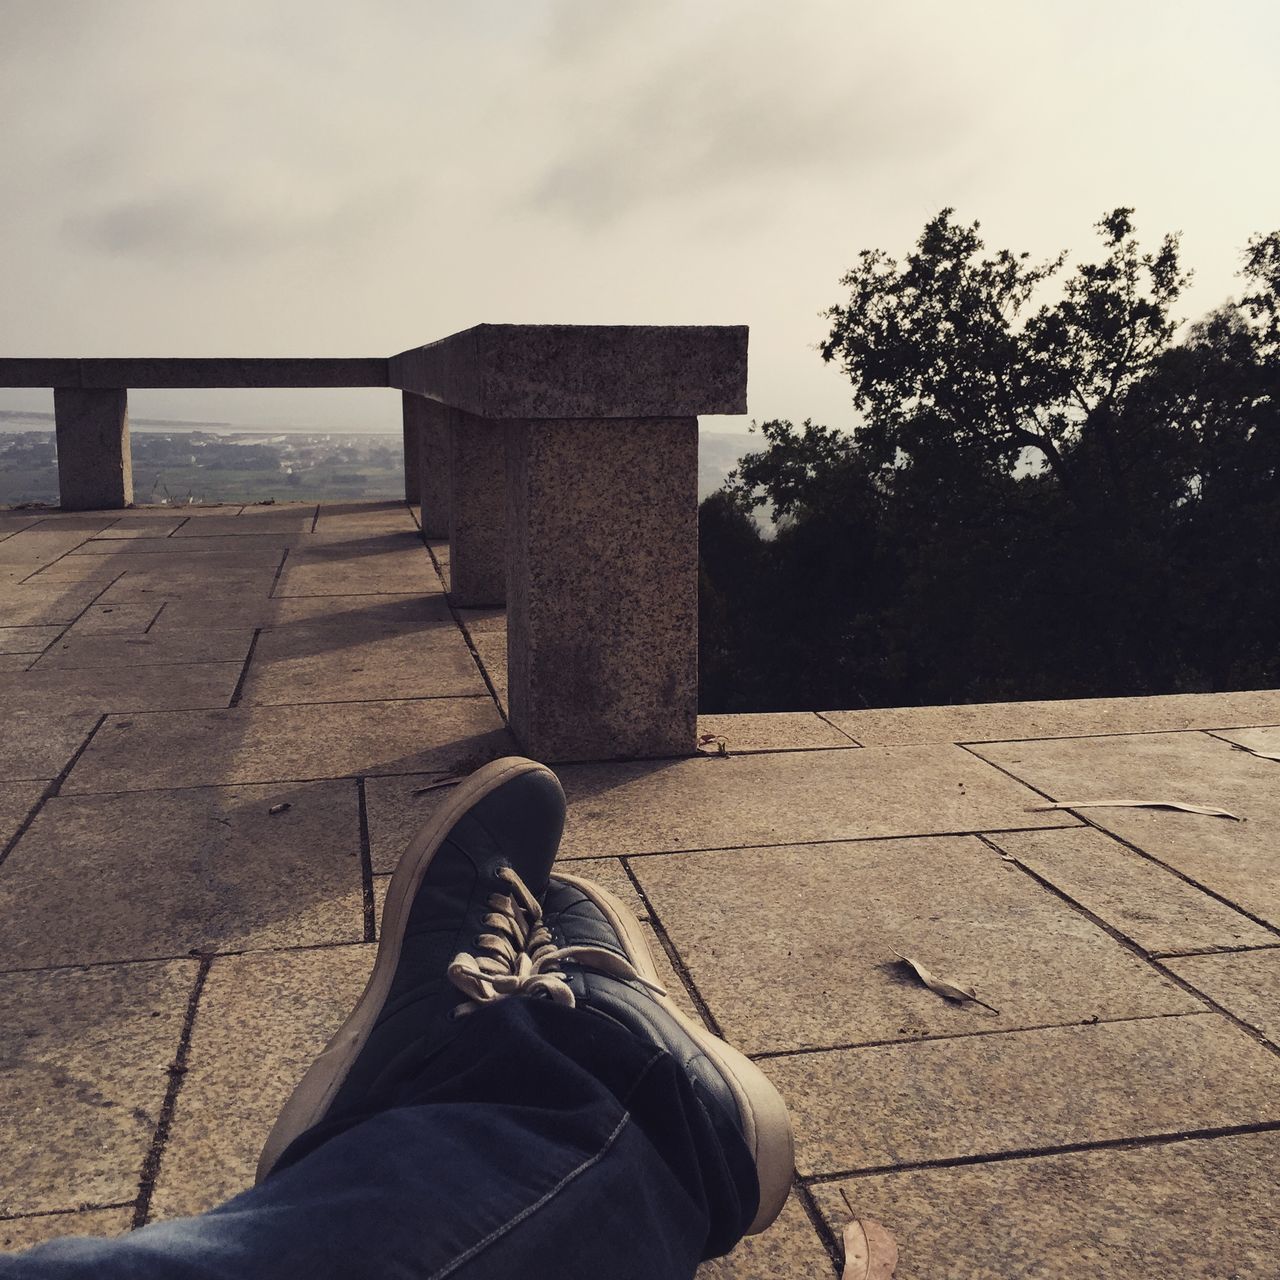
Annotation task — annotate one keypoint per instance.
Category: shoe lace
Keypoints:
(516, 955)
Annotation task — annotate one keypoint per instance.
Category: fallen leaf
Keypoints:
(1207, 810)
(283, 807)
(435, 786)
(943, 987)
(713, 739)
(1257, 751)
(870, 1251)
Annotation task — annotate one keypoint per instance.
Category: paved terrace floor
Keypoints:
(216, 725)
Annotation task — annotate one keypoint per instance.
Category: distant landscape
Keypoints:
(178, 464)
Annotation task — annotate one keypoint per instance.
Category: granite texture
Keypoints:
(364, 517)
(1194, 1210)
(433, 465)
(793, 947)
(323, 663)
(156, 874)
(265, 548)
(95, 468)
(353, 570)
(904, 1104)
(286, 1006)
(84, 652)
(370, 614)
(1234, 859)
(478, 515)
(271, 744)
(16, 661)
(232, 371)
(27, 640)
(119, 689)
(1003, 721)
(116, 619)
(491, 648)
(581, 371)
(84, 1057)
(788, 1250)
(17, 799)
(35, 744)
(1246, 984)
(144, 527)
(775, 731)
(1150, 906)
(396, 807)
(44, 603)
(140, 585)
(602, 616)
(790, 797)
(23, 1233)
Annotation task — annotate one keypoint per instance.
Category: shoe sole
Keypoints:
(765, 1122)
(317, 1089)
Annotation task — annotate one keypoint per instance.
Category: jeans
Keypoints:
(541, 1141)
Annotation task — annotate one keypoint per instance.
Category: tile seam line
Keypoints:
(1089, 821)
(673, 954)
(1218, 951)
(195, 953)
(826, 1236)
(91, 1207)
(368, 904)
(52, 789)
(1132, 1142)
(1163, 970)
(23, 582)
(152, 1161)
(773, 1055)
(825, 718)
(1066, 737)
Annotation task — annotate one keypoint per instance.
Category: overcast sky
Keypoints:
(264, 177)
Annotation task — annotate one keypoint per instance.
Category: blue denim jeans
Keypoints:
(540, 1142)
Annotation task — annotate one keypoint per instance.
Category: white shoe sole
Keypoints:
(317, 1089)
(766, 1125)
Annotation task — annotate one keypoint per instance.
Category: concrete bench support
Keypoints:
(477, 510)
(412, 447)
(95, 471)
(433, 474)
(602, 610)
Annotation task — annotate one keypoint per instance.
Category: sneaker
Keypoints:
(588, 949)
(469, 882)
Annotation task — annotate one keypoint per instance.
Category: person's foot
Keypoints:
(589, 950)
(468, 883)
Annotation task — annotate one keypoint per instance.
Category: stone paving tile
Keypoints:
(788, 1250)
(16, 661)
(353, 613)
(1004, 721)
(484, 619)
(30, 605)
(492, 648)
(1149, 905)
(39, 546)
(285, 1005)
(29, 640)
(154, 874)
(1246, 984)
(266, 547)
(34, 744)
(85, 1056)
(938, 1100)
(120, 689)
(17, 799)
(143, 527)
(141, 585)
(1194, 1210)
(789, 798)
(364, 516)
(271, 744)
(287, 528)
(776, 731)
(23, 1233)
(793, 947)
(1234, 859)
(116, 619)
(395, 813)
(83, 652)
(324, 663)
(1262, 739)
(337, 572)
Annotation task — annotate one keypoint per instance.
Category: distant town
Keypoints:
(175, 467)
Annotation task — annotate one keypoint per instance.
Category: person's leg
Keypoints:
(542, 1141)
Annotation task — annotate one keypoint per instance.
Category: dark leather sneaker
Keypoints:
(467, 884)
(589, 950)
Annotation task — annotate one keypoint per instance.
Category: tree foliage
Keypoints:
(1055, 489)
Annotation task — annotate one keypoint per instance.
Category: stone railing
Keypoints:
(561, 463)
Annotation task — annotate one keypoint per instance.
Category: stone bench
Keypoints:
(560, 461)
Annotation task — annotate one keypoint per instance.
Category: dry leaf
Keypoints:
(713, 739)
(1207, 810)
(435, 786)
(870, 1251)
(283, 807)
(1257, 751)
(948, 990)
